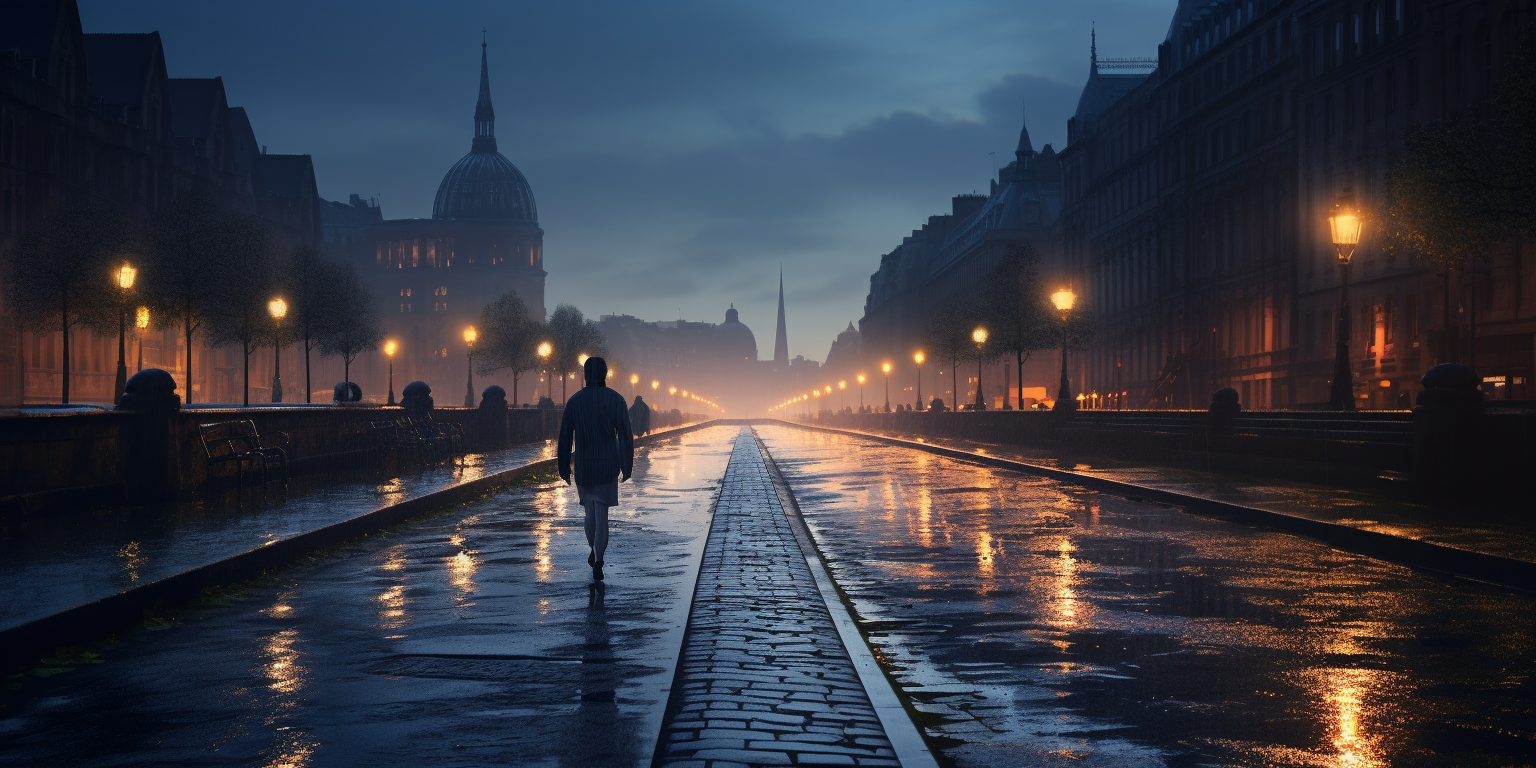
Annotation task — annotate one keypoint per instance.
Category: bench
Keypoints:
(239, 442)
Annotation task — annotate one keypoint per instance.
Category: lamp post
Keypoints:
(673, 392)
(141, 322)
(545, 348)
(980, 337)
(886, 367)
(634, 378)
(919, 358)
(125, 278)
(279, 309)
(1344, 224)
(841, 387)
(389, 352)
(1064, 299)
(470, 334)
(861, 393)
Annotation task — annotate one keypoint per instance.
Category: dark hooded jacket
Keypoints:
(640, 417)
(597, 422)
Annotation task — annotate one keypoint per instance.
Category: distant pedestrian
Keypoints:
(596, 424)
(640, 417)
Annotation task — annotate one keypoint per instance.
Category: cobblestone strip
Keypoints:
(764, 678)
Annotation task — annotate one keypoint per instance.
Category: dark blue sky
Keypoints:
(679, 151)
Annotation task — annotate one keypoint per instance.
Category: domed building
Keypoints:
(733, 340)
(483, 240)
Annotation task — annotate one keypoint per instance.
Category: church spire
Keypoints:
(485, 114)
(1025, 148)
(1093, 49)
(780, 337)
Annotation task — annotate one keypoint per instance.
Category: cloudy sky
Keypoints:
(680, 152)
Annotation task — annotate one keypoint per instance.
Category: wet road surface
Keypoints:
(470, 637)
(1036, 623)
(51, 564)
(1496, 529)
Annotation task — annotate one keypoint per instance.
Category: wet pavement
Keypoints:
(1496, 529)
(54, 563)
(1038, 623)
(468, 637)
(764, 678)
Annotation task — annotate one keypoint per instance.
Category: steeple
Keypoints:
(780, 337)
(1025, 148)
(1093, 49)
(485, 114)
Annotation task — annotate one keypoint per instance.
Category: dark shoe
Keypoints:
(597, 571)
(591, 558)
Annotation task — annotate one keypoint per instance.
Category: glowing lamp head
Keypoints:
(842, 385)
(885, 367)
(389, 348)
(919, 358)
(861, 378)
(634, 378)
(671, 390)
(141, 318)
(685, 393)
(125, 276)
(545, 349)
(581, 359)
(1064, 299)
(1344, 225)
(979, 335)
(470, 334)
(829, 389)
(278, 308)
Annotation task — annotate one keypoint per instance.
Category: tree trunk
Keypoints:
(515, 377)
(346, 368)
(954, 384)
(188, 326)
(307, 386)
(65, 323)
(245, 384)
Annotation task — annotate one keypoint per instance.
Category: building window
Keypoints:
(405, 292)
(405, 307)
(440, 306)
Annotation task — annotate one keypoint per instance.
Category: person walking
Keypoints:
(596, 432)
(640, 417)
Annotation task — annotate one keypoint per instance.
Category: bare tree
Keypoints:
(60, 275)
(303, 277)
(1014, 302)
(246, 281)
(348, 325)
(947, 331)
(182, 269)
(509, 338)
(572, 335)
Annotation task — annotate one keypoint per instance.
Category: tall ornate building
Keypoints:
(483, 240)
(1196, 203)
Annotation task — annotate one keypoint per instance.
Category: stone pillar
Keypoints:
(1446, 426)
(152, 467)
(491, 418)
(1224, 408)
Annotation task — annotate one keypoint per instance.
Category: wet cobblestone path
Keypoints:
(764, 678)
(1033, 622)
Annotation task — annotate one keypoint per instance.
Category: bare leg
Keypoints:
(596, 527)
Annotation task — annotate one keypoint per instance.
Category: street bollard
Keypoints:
(1224, 409)
(1446, 423)
(491, 418)
(151, 470)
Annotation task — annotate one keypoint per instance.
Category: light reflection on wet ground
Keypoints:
(466, 638)
(78, 555)
(1035, 623)
(1498, 529)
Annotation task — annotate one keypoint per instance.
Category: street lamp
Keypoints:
(634, 378)
(861, 393)
(279, 309)
(673, 392)
(1064, 299)
(544, 351)
(980, 337)
(1344, 225)
(141, 322)
(470, 334)
(389, 352)
(125, 278)
(919, 358)
(841, 386)
(886, 367)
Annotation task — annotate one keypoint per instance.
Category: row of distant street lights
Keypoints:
(1063, 300)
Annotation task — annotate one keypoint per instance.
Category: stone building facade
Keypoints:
(96, 118)
(1196, 203)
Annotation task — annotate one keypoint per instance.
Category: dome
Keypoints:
(485, 185)
(734, 340)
